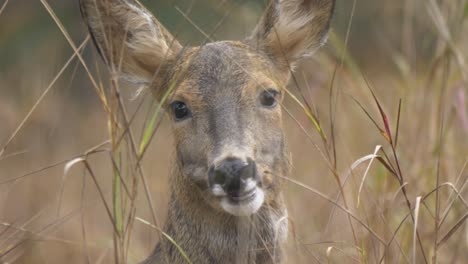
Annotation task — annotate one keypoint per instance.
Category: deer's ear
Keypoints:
(129, 38)
(292, 29)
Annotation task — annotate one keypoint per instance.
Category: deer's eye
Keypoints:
(180, 110)
(268, 98)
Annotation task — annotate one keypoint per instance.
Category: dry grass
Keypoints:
(378, 133)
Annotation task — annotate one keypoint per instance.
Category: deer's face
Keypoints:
(226, 115)
(225, 101)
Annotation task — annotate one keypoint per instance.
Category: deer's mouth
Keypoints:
(243, 197)
(243, 204)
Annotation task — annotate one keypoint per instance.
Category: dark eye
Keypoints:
(180, 110)
(268, 98)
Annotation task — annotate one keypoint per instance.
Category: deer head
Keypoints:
(225, 102)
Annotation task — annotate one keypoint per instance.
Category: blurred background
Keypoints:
(411, 53)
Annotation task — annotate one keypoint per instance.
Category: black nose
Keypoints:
(232, 174)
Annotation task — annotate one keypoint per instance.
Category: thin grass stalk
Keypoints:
(43, 95)
(349, 213)
(416, 218)
(437, 202)
(4, 6)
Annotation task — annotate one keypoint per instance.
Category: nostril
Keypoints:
(248, 171)
(216, 176)
(219, 177)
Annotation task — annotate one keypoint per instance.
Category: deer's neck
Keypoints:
(208, 235)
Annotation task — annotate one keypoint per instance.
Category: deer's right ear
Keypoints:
(129, 38)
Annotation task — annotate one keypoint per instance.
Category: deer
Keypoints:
(231, 157)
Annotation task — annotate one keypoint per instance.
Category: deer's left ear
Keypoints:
(129, 38)
(292, 29)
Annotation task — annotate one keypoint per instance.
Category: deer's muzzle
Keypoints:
(235, 177)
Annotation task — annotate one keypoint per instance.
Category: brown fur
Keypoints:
(221, 83)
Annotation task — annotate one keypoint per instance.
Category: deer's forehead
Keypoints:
(224, 69)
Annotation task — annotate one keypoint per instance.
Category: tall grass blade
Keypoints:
(381, 131)
(3, 6)
(388, 133)
(43, 95)
(149, 131)
(452, 231)
(397, 130)
(416, 221)
(371, 157)
(310, 115)
(179, 248)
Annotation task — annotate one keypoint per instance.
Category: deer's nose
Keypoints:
(233, 175)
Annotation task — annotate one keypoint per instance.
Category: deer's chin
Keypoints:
(244, 207)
